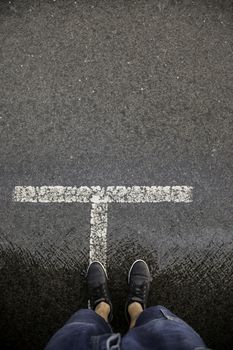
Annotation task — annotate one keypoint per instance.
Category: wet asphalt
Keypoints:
(116, 93)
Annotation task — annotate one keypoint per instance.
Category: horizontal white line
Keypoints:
(97, 194)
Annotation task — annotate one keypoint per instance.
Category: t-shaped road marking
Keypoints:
(100, 197)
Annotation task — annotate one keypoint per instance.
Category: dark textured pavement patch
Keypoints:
(116, 93)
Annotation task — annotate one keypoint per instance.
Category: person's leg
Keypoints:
(158, 328)
(152, 313)
(156, 312)
(79, 331)
(86, 329)
(103, 309)
(139, 279)
(154, 327)
(134, 311)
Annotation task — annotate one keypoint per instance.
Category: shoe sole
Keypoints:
(96, 261)
(133, 266)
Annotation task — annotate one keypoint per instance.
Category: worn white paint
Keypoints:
(97, 194)
(98, 237)
(99, 197)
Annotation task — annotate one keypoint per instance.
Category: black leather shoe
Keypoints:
(139, 279)
(97, 286)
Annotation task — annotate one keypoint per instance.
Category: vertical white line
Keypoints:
(98, 237)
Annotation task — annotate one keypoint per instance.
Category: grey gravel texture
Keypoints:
(116, 93)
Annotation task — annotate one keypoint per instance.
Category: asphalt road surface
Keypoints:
(110, 93)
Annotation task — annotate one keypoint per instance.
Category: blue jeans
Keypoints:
(157, 328)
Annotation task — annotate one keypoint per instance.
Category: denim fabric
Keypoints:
(83, 331)
(157, 328)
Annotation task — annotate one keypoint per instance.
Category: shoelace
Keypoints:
(98, 292)
(140, 291)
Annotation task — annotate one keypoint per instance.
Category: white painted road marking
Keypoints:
(99, 197)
